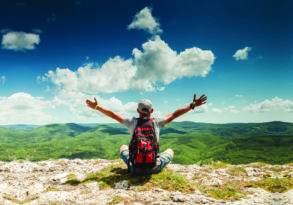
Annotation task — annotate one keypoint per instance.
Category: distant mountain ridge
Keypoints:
(270, 142)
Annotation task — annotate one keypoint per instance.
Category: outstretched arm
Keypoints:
(95, 105)
(195, 103)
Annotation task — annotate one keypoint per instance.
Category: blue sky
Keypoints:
(189, 48)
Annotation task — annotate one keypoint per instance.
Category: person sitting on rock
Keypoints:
(142, 155)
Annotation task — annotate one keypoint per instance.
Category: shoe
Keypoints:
(123, 148)
(170, 152)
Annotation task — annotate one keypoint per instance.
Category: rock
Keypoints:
(122, 185)
(57, 198)
(178, 197)
(60, 178)
(211, 181)
(33, 183)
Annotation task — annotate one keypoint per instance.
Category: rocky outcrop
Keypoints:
(24, 182)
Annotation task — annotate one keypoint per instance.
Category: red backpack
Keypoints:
(144, 148)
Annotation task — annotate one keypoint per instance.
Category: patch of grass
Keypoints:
(72, 179)
(218, 165)
(167, 179)
(277, 168)
(237, 171)
(224, 192)
(116, 200)
(274, 184)
(109, 176)
(52, 188)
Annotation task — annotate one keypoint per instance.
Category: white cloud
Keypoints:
(127, 109)
(242, 54)
(275, 104)
(150, 69)
(2, 80)
(145, 21)
(211, 109)
(157, 62)
(113, 76)
(23, 108)
(20, 41)
(232, 109)
(75, 103)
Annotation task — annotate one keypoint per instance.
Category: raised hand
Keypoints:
(92, 104)
(198, 102)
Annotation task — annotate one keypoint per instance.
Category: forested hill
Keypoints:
(235, 143)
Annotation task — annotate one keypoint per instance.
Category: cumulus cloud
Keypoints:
(2, 80)
(157, 62)
(144, 20)
(241, 54)
(75, 103)
(113, 76)
(23, 108)
(274, 104)
(150, 68)
(20, 41)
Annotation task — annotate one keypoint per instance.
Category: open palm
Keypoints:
(92, 104)
(198, 102)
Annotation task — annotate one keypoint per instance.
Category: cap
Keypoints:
(144, 105)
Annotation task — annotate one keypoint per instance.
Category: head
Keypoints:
(145, 108)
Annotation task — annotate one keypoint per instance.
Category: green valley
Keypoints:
(234, 143)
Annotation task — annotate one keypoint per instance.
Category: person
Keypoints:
(142, 156)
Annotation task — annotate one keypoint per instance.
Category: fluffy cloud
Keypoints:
(75, 103)
(275, 104)
(113, 76)
(145, 21)
(20, 41)
(23, 108)
(157, 62)
(150, 69)
(241, 54)
(2, 79)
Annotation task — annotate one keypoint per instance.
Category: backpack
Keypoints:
(143, 147)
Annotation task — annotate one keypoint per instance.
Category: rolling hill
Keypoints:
(235, 143)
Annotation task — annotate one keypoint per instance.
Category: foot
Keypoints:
(170, 152)
(123, 148)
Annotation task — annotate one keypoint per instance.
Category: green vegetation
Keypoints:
(117, 173)
(192, 142)
(218, 165)
(170, 181)
(225, 192)
(237, 171)
(72, 179)
(116, 200)
(274, 184)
